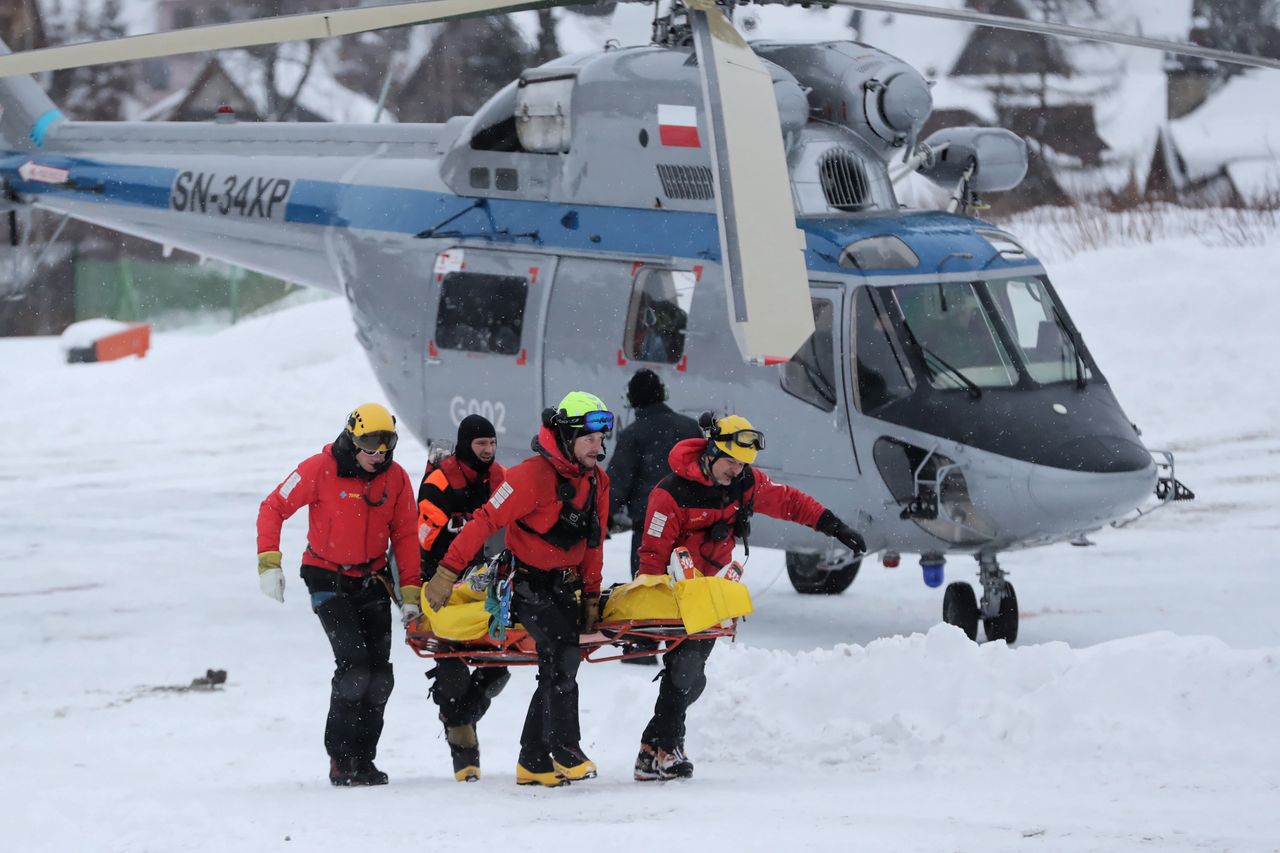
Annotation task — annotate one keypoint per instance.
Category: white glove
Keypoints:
(272, 583)
(410, 614)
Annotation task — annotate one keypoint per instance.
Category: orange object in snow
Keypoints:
(135, 340)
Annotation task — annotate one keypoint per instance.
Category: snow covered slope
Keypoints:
(1137, 711)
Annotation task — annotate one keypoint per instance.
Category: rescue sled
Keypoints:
(636, 618)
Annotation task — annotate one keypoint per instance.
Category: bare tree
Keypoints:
(98, 92)
(1246, 26)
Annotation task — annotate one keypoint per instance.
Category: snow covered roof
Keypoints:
(1239, 127)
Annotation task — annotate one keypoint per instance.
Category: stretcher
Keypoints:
(637, 619)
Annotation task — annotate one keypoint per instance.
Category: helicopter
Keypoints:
(721, 213)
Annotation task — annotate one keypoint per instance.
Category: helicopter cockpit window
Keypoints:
(955, 337)
(810, 375)
(481, 313)
(1039, 328)
(658, 314)
(881, 368)
(495, 123)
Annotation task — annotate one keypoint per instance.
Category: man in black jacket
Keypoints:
(640, 457)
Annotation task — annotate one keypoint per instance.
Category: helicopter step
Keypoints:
(998, 609)
(821, 574)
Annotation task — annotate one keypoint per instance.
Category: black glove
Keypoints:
(832, 526)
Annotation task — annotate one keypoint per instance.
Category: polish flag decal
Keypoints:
(678, 126)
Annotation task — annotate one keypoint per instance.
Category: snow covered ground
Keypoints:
(1138, 710)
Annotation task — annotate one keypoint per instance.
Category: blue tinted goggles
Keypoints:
(594, 422)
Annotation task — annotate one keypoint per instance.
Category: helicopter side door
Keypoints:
(484, 340)
(608, 319)
(813, 386)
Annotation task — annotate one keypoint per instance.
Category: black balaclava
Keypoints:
(471, 428)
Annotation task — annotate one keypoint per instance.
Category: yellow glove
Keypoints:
(440, 587)
(270, 576)
(411, 609)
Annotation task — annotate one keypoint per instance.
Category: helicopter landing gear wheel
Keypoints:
(960, 608)
(809, 576)
(1004, 626)
(999, 605)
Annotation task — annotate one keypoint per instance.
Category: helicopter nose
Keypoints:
(1101, 454)
(1074, 500)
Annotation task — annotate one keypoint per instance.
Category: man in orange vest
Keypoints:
(452, 489)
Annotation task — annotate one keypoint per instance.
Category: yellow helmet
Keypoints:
(734, 436)
(372, 428)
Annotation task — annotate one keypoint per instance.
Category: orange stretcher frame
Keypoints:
(518, 647)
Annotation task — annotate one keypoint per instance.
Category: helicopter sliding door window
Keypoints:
(955, 337)
(1038, 327)
(881, 371)
(810, 374)
(658, 314)
(481, 313)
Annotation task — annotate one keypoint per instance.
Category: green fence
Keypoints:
(171, 293)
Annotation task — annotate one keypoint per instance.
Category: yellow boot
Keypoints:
(465, 750)
(538, 771)
(572, 764)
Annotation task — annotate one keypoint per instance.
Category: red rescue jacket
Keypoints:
(526, 505)
(350, 521)
(686, 505)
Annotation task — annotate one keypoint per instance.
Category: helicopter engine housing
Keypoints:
(882, 99)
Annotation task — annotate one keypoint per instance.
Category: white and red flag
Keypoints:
(678, 126)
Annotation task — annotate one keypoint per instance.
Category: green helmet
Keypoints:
(577, 414)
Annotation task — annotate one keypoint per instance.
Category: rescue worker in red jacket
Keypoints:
(705, 505)
(452, 489)
(359, 501)
(555, 509)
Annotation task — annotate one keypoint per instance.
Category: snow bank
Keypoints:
(939, 698)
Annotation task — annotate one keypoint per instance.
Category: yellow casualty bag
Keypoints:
(646, 597)
(463, 618)
(708, 601)
(698, 603)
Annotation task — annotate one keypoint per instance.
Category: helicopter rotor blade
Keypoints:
(762, 251)
(1004, 22)
(282, 28)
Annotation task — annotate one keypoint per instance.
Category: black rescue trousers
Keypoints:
(544, 602)
(680, 683)
(356, 616)
(463, 695)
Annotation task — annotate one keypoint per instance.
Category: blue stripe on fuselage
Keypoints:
(578, 227)
(937, 238)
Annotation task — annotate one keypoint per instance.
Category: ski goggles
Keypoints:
(750, 438)
(596, 421)
(375, 442)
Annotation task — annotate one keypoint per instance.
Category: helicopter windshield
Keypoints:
(974, 335)
(955, 336)
(1038, 327)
